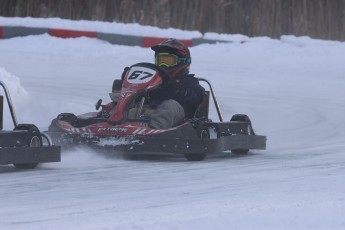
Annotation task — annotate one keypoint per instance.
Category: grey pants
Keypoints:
(168, 114)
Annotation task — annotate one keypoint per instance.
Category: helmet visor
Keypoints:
(166, 59)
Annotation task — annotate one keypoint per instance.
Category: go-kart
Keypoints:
(24, 146)
(127, 128)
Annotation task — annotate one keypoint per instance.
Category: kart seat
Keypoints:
(202, 110)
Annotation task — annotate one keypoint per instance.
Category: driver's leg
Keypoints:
(168, 114)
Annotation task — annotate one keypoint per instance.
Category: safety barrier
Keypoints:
(120, 39)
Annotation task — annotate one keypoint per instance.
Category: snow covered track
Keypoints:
(292, 89)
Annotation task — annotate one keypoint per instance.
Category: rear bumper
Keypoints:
(195, 146)
(27, 155)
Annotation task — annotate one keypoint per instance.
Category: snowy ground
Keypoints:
(292, 88)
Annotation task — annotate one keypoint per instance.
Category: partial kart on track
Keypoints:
(24, 146)
(126, 127)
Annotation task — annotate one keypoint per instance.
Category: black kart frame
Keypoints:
(17, 149)
(237, 135)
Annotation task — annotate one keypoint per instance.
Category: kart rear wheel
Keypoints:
(249, 131)
(203, 133)
(34, 139)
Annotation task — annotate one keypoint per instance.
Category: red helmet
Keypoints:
(173, 56)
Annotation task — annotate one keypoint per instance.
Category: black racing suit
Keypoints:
(184, 89)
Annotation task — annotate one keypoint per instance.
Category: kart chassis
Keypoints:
(24, 146)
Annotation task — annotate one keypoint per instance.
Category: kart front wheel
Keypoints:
(195, 157)
(240, 151)
(203, 133)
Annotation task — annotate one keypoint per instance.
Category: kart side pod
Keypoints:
(24, 146)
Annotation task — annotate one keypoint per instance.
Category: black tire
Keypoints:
(244, 118)
(195, 157)
(240, 151)
(68, 117)
(34, 139)
(250, 131)
(240, 117)
(203, 133)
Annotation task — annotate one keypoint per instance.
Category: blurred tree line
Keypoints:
(324, 19)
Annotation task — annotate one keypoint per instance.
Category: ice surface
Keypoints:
(292, 89)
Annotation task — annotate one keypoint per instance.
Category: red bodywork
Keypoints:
(106, 129)
(138, 80)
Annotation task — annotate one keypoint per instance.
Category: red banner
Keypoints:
(1, 33)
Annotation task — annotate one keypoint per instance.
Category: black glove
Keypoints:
(103, 114)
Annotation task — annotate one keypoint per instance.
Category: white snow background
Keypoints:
(292, 88)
